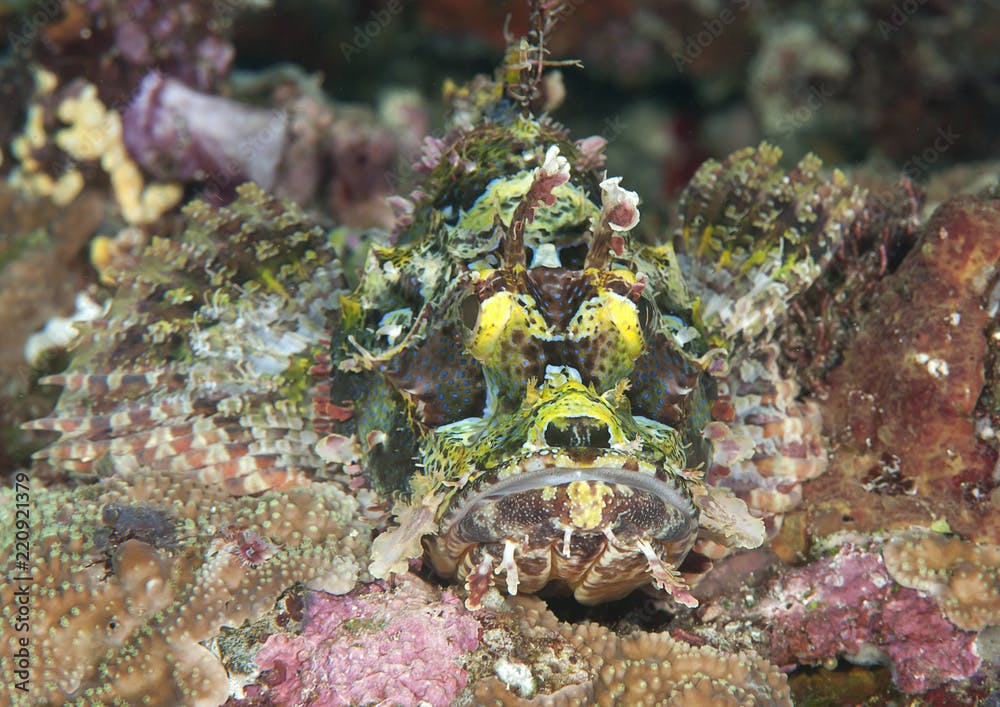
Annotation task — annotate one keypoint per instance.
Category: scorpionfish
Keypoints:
(548, 401)
(560, 405)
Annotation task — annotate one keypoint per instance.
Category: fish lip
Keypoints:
(664, 490)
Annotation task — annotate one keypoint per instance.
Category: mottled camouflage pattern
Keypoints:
(546, 394)
(202, 364)
(546, 401)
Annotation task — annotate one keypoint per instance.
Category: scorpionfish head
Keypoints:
(540, 356)
(565, 484)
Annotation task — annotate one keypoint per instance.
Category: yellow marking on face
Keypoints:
(587, 503)
(622, 313)
(494, 316)
(549, 492)
(500, 316)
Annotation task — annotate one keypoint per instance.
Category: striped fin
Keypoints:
(210, 362)
(753, 236)
(766, 443)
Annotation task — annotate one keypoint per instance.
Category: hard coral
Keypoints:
(589, 664)
(121, 619)
(72, 135)
(400, 646)
(962, 577)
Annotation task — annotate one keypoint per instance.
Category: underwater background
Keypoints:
(187, 195)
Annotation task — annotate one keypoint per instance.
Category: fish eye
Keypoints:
(649, 315)
(573, 257)
(470, 311)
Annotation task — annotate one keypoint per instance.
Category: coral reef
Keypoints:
(547, 662)
(907, 408)
(776, 384)
(925, 612)
(962, 577)
(140, 98)
(297, 144)
(401, 646)
(127, 578)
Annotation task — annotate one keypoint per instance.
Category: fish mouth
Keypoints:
(598, 531)
(618, 479)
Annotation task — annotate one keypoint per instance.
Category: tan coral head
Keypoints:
(598, 532)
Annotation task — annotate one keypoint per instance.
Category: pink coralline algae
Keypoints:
(400, 647)
(847, 605)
